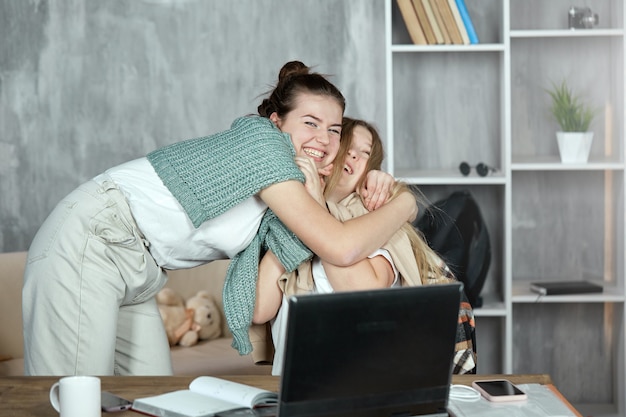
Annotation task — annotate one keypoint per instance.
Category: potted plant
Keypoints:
(574, 117)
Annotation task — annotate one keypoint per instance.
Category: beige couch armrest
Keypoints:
(11, 277)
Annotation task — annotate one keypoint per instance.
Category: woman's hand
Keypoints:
(314, 183)
(376, 189)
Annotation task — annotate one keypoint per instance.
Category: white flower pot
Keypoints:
(574, 147)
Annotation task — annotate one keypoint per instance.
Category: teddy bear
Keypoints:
(187, 322)
(206, 314)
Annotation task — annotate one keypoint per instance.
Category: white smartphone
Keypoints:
(499, 390)
(112, 403)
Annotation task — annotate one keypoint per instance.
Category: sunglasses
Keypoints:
(481, 169)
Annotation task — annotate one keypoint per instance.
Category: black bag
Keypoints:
(454, 228)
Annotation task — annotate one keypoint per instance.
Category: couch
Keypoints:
(213, 357)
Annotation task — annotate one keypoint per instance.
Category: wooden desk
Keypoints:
(24, 396)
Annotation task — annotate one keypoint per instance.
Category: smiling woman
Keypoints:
(100, 257)
(362, 153)
(314, 129)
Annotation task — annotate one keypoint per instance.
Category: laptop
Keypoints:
(377, 353)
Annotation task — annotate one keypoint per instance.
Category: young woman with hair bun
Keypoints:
(100, 257)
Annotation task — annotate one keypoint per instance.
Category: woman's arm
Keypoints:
(268, 293)
(368, 274)
(338, 243)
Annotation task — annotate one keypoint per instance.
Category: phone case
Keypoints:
(496, 395)
(112, 403)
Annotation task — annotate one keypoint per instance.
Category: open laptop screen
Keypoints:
(370, 353)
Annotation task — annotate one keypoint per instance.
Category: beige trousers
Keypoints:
(89, 287)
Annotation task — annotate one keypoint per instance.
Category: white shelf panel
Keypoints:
(447, 177)
(553, 163)
(491, 310)
(566, 33)
(481, 47)
(493, 306)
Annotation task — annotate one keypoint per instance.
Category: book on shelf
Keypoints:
(565, 287)
(206, 396)
(442, 27)
(459, 21)
(449, 22)
(430, 14)
(467, 21)
(424, 23)
(412, 23)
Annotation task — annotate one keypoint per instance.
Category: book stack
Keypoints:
(438, 22)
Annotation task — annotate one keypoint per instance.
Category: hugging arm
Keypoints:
(268, 293)
(338, 243)
(370, 273)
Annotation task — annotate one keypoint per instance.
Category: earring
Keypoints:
(482, 169)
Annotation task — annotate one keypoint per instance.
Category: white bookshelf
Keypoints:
(547, 220)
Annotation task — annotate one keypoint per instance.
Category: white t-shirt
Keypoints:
(322, 286)
(172, 239)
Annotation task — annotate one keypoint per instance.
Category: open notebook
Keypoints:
(370, 353)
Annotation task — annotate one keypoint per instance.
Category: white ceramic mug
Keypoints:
(76, 396)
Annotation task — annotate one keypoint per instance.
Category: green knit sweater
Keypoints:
(212, 174)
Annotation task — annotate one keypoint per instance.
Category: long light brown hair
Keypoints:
(430, 266)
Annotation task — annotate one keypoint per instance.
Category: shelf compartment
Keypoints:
(552, 16)
(572, 343)
(592, 67)
(487, 17)
(454, 114)
(567, 224)
(490, 200)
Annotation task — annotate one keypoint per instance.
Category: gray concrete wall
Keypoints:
(88, 84)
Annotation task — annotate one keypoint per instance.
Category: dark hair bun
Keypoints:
(292, 68)
(296, 78)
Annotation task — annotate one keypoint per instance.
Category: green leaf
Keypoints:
(570, 112)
